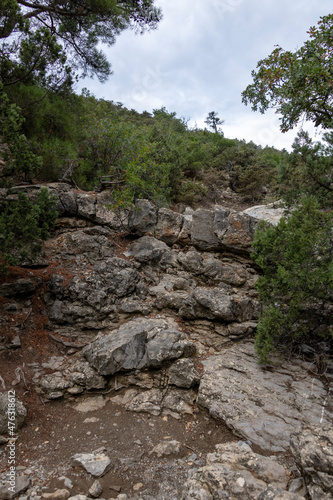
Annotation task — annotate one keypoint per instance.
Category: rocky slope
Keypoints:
(130, 343)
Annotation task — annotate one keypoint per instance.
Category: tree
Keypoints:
(296, 289)
(23, 224)
(213, 121)
(298, 84)
(50, 40)
(308, 170)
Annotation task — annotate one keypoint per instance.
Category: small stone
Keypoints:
(57, 495)
(96, 489)
(137, 486)
(96, 464)
(167, 448)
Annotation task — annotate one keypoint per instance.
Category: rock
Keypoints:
(271, 213)
(183, 374)
(78, 497)
(91, 404)
(298, 486)
(96, 489)
(276, 493)
(169, 225)
(213, 303)
(20, 288)
(10, 403)
(234, 230)
(148, 249)
(234, 471)
(57, 495)
(96, 464)
(86, 205)
(264, 407)
(15, 342)
(142, 218)
(184, 237)
(166, 448)
(312, 448)
(191, 261)
(140, 343)
(239, 456)
(202, 232)
(106, 216)
(22, 483)
(68, 202)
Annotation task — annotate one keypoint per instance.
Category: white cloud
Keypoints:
(200, 59)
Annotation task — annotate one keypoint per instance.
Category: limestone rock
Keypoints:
(96, 464)
(235, 472)
(202, 232)
(142, 218)
(86, 205)
(183, 374)
(22, 483)
(169, 225)
(214, 303)
(167, 448)
(5, 406)
(96, 489)
(264, 407)
(20, 288)
(271, 213)
(234, 230)
(312, 448)
(276, 493)
(57, 495)
(140, 343)
(148, 249)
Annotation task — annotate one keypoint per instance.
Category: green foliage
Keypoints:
(48, 41)
(17, 152)
(297, 84)
(296, 287)
(23, 223)
(309, 170)
(214, 121)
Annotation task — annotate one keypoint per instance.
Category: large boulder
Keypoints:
(202, 232)
(140, 343)
(234, 230)
(148, 249)
(142, 218)
(263, 406)
(216, 304)
(312, 448)
(169, 225)
(234, 472)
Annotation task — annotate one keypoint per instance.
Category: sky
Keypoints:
(200, 59)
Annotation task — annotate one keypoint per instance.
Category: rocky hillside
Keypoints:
(129, 344)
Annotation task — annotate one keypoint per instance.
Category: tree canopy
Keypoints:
(297, 84)
(49, 41)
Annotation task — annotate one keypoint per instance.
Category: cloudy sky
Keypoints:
(200, 59)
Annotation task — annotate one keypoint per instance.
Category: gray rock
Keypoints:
(6, 402)
(234, 230)
(117, 220)
(142, 218)
(68, 202)
(20, 288)
(137, 344)
(271, 213)
(57, 495)
(233, 472)
(96, 464)
(169, 225)
(276, 493)
(312, 448)
(215, 304)
(148, 249)
(86, 205)
(166, 448)
(264, 407)
(9, 491)
(96, 489)
(202, 232)
(184, 237)
(191, 261)
(183, 374)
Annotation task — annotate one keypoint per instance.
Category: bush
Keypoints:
(296, 287)
(23, 224)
